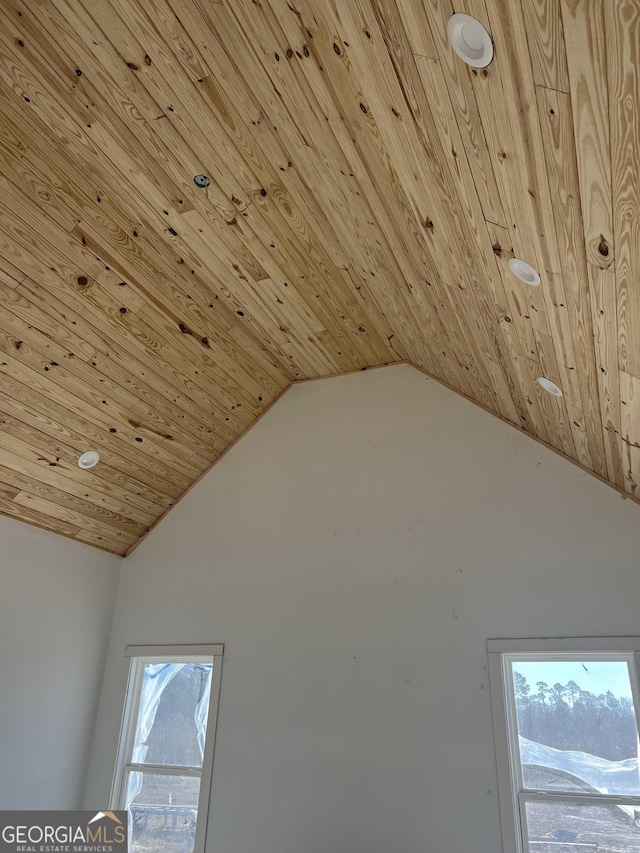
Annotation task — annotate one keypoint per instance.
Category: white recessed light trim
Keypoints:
(470, 40)
(524, 271)
(89, 459)
(549, 386)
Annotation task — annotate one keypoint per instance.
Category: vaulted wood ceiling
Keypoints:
(367, 192)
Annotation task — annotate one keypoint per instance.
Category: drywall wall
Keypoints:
(354, 552)
(56, 604)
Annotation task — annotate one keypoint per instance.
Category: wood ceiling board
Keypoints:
(102, 349)
(459, 91)
(584, 24)
(290, 253)
(415, 141)
(367, 192)
(235, 264)
(554, 112)
(506, 92)
(604, 309)
(349, 156)
(26, 398)
(25, 348)
(10, 275)
(622, 31)
(546, 36)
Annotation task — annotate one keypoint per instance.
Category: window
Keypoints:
(165, 755)
(566, 723)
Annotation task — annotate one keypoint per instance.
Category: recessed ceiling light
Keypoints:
(89, 459)
(470, 40)
(549, 386)
(201, 180)
(524, 271)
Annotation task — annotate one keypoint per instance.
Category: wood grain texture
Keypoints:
(366, 193)
(548, 43)
(585, 47)
(622, 34)
(554, 111)
(602, 286)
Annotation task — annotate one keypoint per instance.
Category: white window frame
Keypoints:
(139, 656)
(511, 792)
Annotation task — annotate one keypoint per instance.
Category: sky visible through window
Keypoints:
(596, 677)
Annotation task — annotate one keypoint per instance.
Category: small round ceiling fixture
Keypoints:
(524, 271)
(470, 40)
(201, 181)
(549, 386)
(89, 459)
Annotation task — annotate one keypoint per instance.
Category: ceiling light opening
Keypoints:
(549, 386)
(524, 271)
(89, 459)
(470, 40)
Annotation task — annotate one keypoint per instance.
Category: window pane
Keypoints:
(542, 779)
(163, 812)
(579, 828)
(172, 718)
(577, 726)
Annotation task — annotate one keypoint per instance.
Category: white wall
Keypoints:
(354, 552)
(56, 604)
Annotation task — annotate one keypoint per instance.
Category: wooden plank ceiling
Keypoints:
(367, 192)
